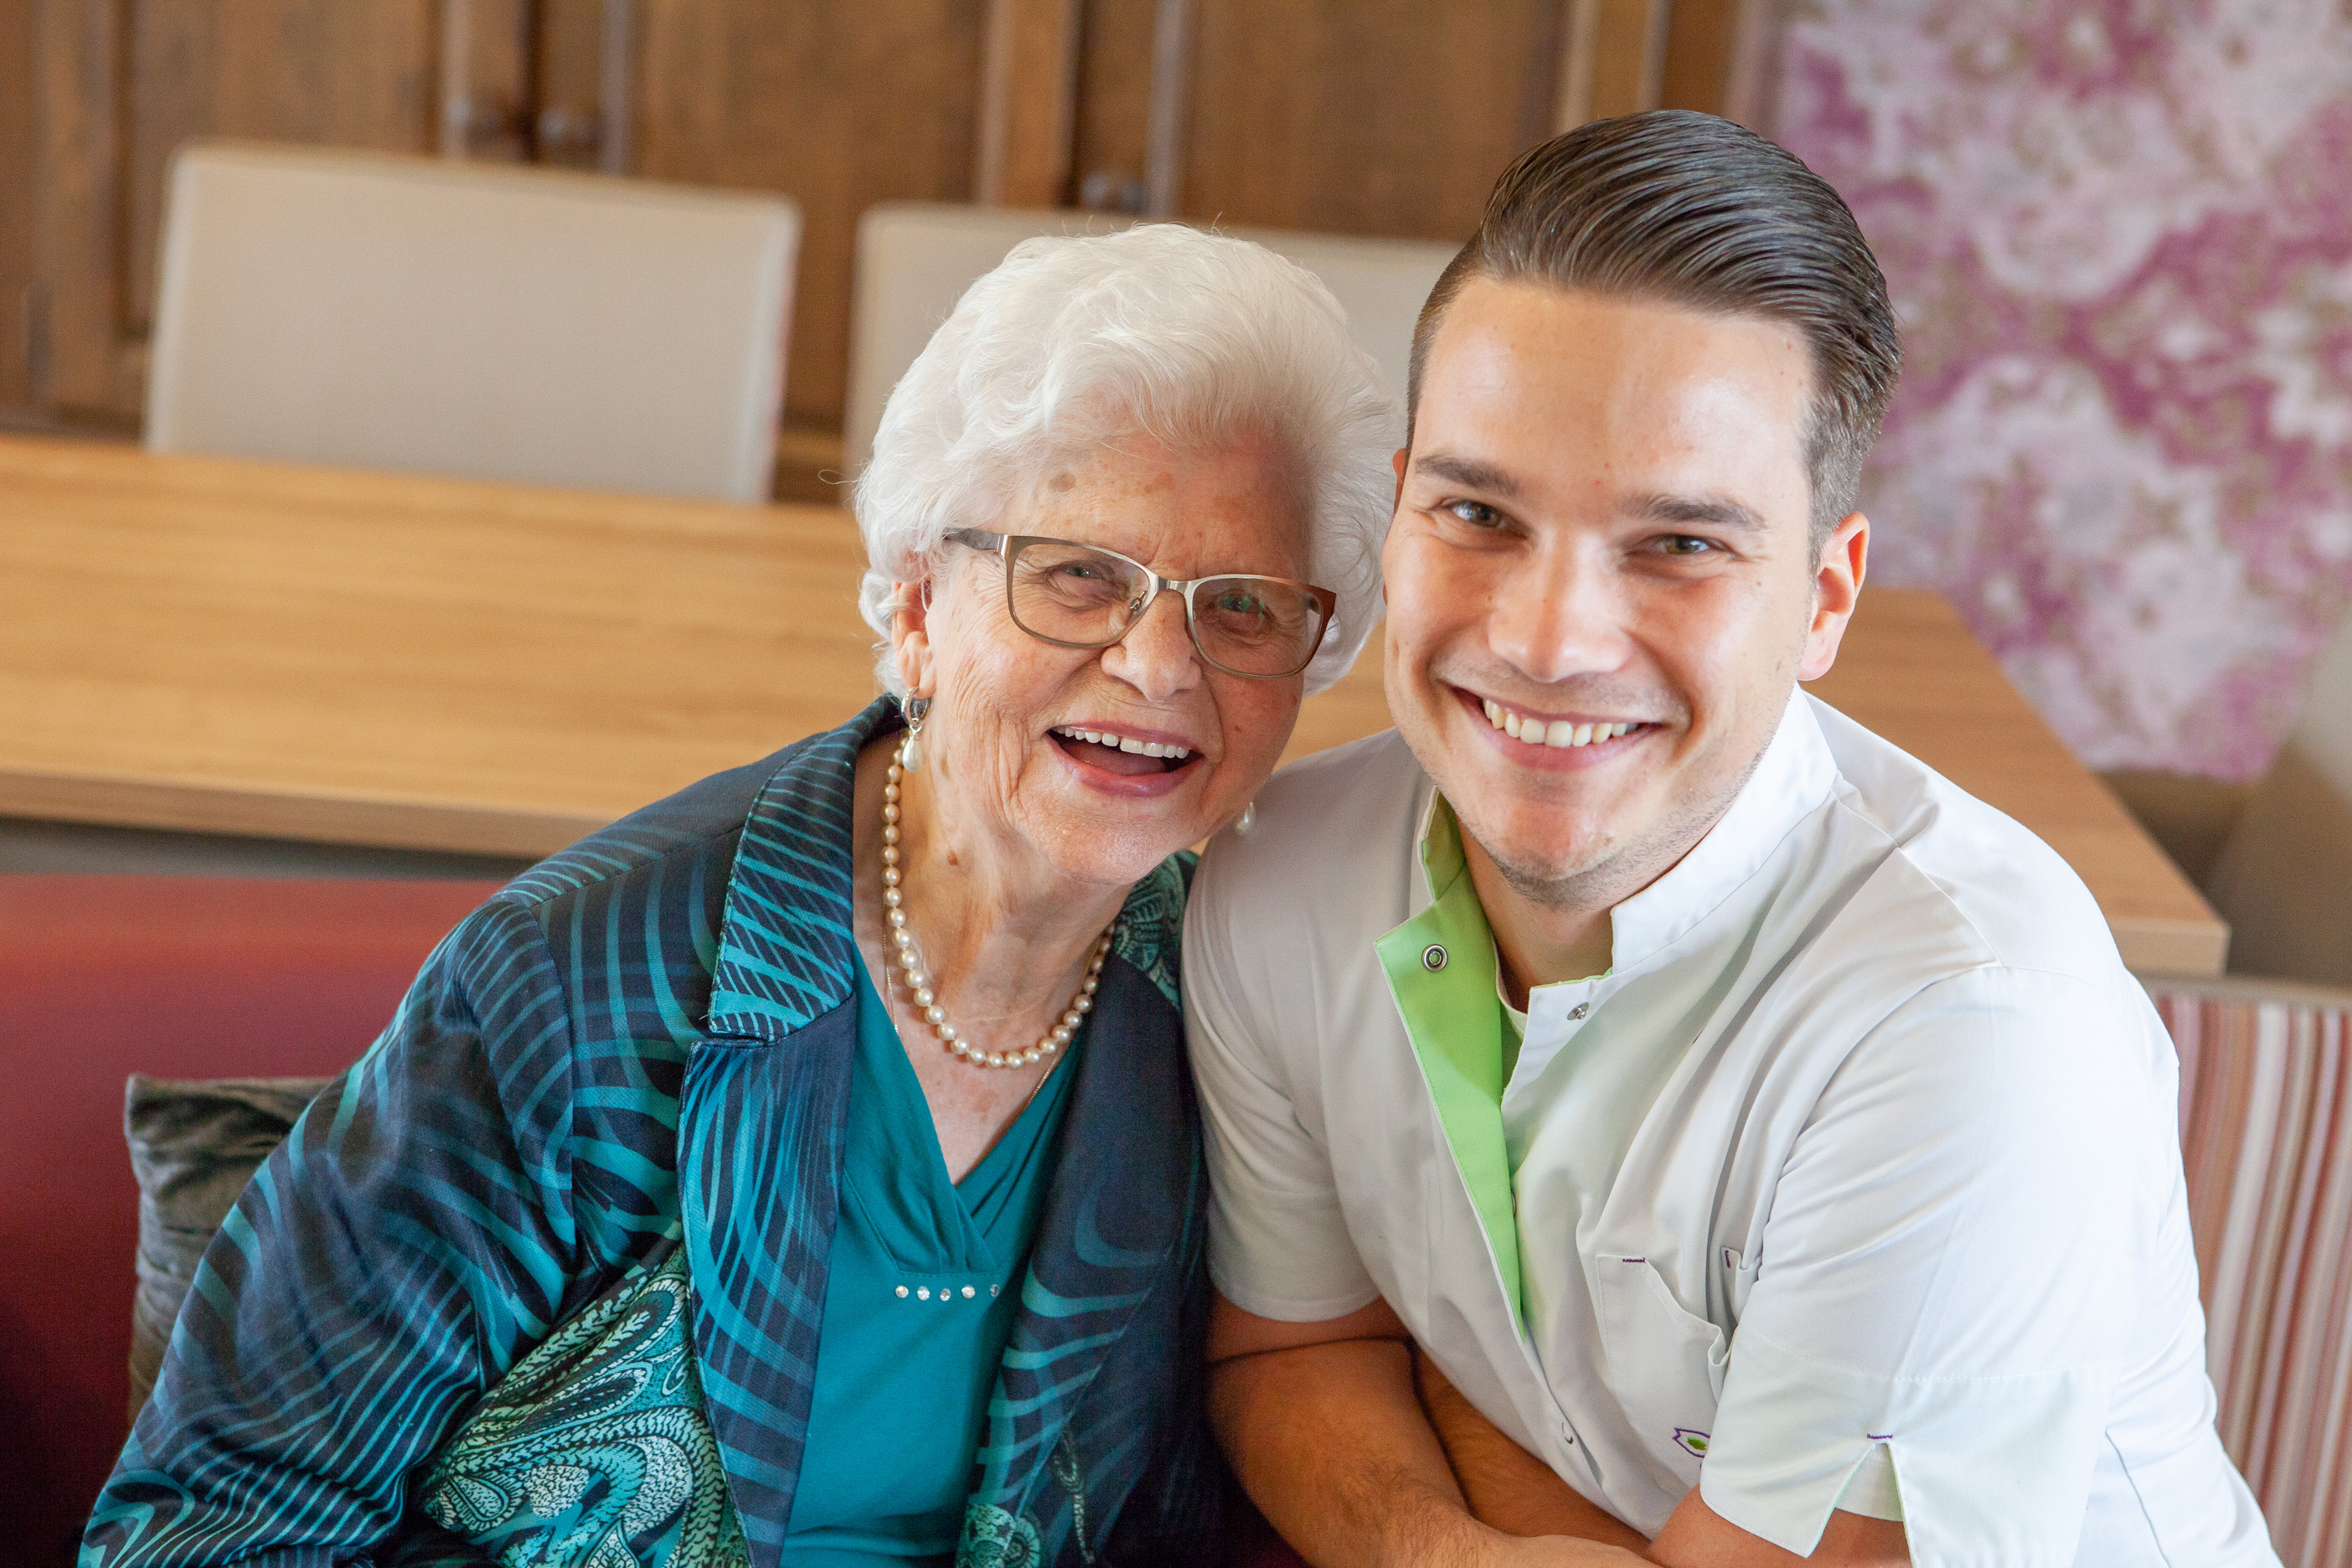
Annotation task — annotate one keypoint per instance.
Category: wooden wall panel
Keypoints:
(1621, 57)
(576, 50)
(1363, 116)
(1377, 117)
(321, 72)
(836, 103)
(1028, 87)
(1113, 112)
(1628, 55)
(1702, 42)
(19, 212)
(78, 247)
(486, 59)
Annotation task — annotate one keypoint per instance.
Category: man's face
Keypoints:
(1602, 522)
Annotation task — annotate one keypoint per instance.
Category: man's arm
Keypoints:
(1698, 1537)
(1505, 1486)
(1321, 1424)
(1511, 1489)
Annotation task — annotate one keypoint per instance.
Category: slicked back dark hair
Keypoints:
(1690, 210)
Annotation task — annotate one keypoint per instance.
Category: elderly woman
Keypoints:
(804, 1169)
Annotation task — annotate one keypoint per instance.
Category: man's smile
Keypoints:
(1555, 740)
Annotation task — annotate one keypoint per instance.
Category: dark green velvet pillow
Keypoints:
(194, 1144)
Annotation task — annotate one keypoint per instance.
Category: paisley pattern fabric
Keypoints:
(594, 1452)
(648, 1035)
(996, 1539)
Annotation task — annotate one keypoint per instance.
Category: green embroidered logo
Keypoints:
(1692, 1443)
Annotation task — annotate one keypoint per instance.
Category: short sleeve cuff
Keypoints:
(1872, 1490)
(1283, 1258)
(1991, 1470)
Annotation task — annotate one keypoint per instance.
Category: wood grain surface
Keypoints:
(303, 653)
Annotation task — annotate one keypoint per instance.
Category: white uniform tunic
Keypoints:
(1864, 1150)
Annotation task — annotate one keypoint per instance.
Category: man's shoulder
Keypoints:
(1955, 866)
(1334, 823)
(1378, 767)
(1286, 911)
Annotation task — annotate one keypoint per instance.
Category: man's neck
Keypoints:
(1560, 931)
(1563, 931)
(1536, 942)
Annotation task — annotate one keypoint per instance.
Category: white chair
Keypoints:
(2285, 878)
(378, 312)
(915, 259)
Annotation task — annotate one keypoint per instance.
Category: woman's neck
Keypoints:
(1003, 934)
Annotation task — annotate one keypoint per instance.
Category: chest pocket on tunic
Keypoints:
(1665, 1364)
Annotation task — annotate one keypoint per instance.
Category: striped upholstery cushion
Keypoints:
(2266, 1135)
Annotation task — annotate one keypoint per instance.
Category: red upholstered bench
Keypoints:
(181, 977)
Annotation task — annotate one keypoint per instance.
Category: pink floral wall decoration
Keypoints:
(2120, 236)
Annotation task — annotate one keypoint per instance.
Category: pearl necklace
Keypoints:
(894, 911)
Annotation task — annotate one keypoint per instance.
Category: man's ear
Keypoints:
(910, 634)
(1837, 588)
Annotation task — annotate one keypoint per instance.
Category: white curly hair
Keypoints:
(1195, 339)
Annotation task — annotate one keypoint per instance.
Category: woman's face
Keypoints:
(998, 742)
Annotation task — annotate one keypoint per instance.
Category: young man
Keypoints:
(1761, 1135)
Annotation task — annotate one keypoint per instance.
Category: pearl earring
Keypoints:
(1245, 821)
(911, 756)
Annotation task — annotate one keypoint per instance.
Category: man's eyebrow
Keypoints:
(1716, 511)
(1470, 471)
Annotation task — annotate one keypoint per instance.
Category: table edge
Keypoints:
(305, 817)
(2151, 945)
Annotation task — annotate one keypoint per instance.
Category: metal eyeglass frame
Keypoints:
(1005, 546)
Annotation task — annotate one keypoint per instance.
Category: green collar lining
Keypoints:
(1456, 1021)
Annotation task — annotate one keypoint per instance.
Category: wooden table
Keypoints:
(367, 658)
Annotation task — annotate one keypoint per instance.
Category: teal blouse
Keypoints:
(925, 1276)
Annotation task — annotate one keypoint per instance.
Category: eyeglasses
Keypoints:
(1076, 596)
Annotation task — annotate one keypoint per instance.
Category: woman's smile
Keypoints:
(1128, 755)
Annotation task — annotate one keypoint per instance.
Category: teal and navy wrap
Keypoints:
(655, 1025)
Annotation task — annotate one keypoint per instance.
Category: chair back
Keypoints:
(2284, 880)
(2266, 1143)
(552, 328)
(915, 259)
